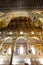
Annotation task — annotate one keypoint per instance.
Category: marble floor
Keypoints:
(27, 60)
(20, 60)
(5, 59)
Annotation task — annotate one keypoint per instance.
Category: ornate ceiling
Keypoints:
(21, 16)
(20, 4)
(10, 10)
(21, 19)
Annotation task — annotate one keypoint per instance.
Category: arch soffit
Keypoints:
(21, 37)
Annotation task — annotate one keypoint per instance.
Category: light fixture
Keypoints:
(21, 32)
(32, 32)
(10, 33)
